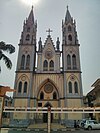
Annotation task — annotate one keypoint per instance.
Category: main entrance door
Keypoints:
(45, 115)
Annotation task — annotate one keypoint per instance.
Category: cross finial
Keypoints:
(49, 31)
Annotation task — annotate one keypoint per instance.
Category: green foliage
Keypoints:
(6, 48)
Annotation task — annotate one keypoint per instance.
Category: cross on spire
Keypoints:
(49, 31)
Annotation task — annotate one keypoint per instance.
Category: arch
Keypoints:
(27, 37)
(48, 104)
(76, 87)
(20, 87)
(44, 83)
(25, 87)
(22, 61)
(23, 77)
(45, 115)
(28, 62)
(70, 77)
(45, 65)
(54, 95)
(41, 95)
(68, 61)
(51, 65)
(70, 86)
(74, 61)
(70, 37)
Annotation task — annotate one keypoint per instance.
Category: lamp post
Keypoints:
(49, 118)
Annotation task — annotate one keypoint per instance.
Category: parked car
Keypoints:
(91, 124)
(81, 124)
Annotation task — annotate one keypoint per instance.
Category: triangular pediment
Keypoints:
(49, 45)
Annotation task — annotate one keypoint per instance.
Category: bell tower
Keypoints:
(71, 63)
(27, 45)
(26, 62)
(71, 59)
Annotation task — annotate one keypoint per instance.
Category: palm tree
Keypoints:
(6, 48)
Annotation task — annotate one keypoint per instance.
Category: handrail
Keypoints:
(53, 110)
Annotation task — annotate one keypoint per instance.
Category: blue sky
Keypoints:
(49, 14)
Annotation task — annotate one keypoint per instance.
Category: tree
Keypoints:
(6, 48)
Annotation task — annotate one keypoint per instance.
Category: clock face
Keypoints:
(48, 54)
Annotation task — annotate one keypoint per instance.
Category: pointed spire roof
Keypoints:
(68, 16)
(31, 16)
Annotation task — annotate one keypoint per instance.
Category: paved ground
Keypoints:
(42, 128)
(54, 131)
(83, 131)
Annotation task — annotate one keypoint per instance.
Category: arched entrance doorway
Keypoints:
(45, 115)
(48, 94)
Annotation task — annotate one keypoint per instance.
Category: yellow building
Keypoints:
(95, 93)
(48, 76)
(4, 101)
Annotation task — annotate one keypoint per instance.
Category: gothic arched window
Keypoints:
(28, 29)
(74, 61)
(22, 61)
(28, 62)
(45, 65)
(25, 87)
(70, 87)
(20, 87)
(70, 37)
(27, 37)
(51, 65)
(54, 95)
(41, 95)
(69, 28)
(76, 87)
(68, 61)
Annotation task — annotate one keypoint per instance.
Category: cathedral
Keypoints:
(49, 75)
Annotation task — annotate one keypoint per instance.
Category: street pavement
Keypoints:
(83, 131)
(70, 131)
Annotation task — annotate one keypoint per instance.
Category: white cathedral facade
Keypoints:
(47, 83)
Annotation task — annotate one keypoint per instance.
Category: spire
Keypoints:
(31, 16)
(29, 30)
(68, 16)
(40, 45)
(57, 44)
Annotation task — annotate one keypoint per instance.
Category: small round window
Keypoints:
(48, 88)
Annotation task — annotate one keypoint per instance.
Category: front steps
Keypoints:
(38, 128)
(44, 126)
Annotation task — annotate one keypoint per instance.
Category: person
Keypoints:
(75, 125)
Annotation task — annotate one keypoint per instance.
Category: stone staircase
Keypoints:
(40, 128)
(57, 126)
(44, 126)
